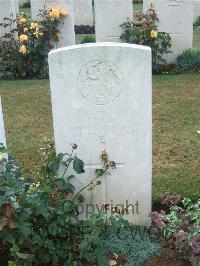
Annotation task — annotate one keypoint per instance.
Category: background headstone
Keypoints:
(2, 130)
(83, 13)
(109, 15)
(176, 18)
(16, 6)
(7, 9)
(196, 9)
(67, 36)
(101, 98)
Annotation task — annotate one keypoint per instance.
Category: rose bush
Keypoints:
(39, 219)
(26, 56)
(144, 31)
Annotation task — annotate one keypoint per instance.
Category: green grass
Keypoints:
(176, 112)
(196, 39)
(137, 8)
(27, 115)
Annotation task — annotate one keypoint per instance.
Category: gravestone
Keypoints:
(7, 10)
(16, 6)
(176, 18)
(83, 13)
(196, 9)
(101, 99)
(66, 27)
(109, 15)
(2, 130)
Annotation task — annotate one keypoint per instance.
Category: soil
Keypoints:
(167, 257)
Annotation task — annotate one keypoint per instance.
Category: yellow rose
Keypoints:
(154, 34)
(25, 29)
(22, 20)
(54, 13)
(34, 25)
(22, 49)
(23, 38)
(37, 34)
(1, 158)
(63, 13)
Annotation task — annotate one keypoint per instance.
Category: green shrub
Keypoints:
(40, 223)
(26, 4)
(135, 244)
(189, 60)
(144, 31)
(88, 39)
(26, 57)
(180, 226)
(196, 24)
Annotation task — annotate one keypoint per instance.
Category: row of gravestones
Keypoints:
(175, 17)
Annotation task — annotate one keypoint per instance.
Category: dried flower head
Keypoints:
(74, 146)
(104, 155)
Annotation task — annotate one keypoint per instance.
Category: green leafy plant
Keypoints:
(196, 24)
(144, 31)
(39, 220)
(189, 60)
(135, 244)
(26, 57)
(180, 227)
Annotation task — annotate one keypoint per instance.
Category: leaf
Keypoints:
(102, 259)
(54, 165)
(24, 256)
(9, 192)
(2, 149)
(70, 178)
(78, 166)
(2, 224)
(12, 263)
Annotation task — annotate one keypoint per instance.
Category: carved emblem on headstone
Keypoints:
(175, 2)
(100, 82)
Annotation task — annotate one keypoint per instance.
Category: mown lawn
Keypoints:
(176, 118)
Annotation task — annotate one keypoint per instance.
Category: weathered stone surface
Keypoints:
(7, 10)
(196, 9)
(101, 99)
(2, 130)
(109, 15)
(83, 13)
(66, 27)
(16, 6)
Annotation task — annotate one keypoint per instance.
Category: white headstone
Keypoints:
(147, 4)
(196, 9)
(109, 15)
(16, 6)
(2, 130)
(66, 27)
(176, 18)
(7, 10)
(83, 13)
(101, 98)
